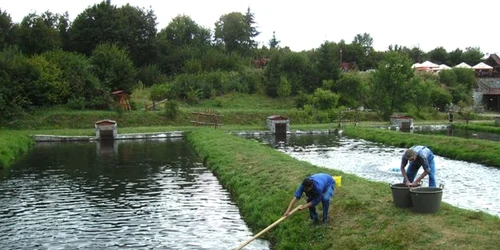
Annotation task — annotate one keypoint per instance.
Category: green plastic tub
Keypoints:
(401, 195)
(426, 200)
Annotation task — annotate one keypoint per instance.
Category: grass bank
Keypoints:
(489, 127)
(262, 181)
(12, 145)
(472, 150)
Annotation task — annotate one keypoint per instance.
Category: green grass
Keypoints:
(12, 145)
(237, 101)
(262, 181)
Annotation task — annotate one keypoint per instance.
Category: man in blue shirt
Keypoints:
(318, 188)
(418, 156)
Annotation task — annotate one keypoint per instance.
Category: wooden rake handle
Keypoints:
(267, 228)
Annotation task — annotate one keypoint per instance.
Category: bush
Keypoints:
(162, 91)
(171, 109)
(77, 103)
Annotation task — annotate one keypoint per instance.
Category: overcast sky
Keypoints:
(304, 25)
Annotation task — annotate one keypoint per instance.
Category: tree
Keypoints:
(129, 27)
(86, 91)
(415, 54)
(327, 63)
(391, 83)
(7, 30)
(455, 57)
(366, 41)
(420, 93)
(438, 55)
(184, 46)
(39, 33)
(274, 43)
(395, 47)
(284, 87)
(137, 33)
(95, 25)
(324, 99)
(252, 30)
(183, 31)
(235, 33)
(16, 78)
(63, 27)
(472, 55)
(351, 89)
(113, 67)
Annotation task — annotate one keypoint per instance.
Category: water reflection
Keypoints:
(128, 194)
(467, 185)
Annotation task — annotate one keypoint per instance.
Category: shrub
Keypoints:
(171, 109)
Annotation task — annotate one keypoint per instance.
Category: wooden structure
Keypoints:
(278, 124)
(260, 62)
(105, 129)
(494, 61)
(152, 105)
(207, 118)
(487, 93)
(348, 116)
(405, 123)
(122, 98)
(349, 67)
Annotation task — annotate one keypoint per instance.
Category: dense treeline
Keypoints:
(48, 60)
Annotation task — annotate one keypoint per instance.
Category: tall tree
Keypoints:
(39, 33)
(130, 27)
(63, 27)
(95, 25)
(455, 57)
(366, 41)
(472, 55)
(415, 54)
(181, 41)
(7, 30)
(252, 29)
(274, 43)
(137, 33)
(391, 83)
(183, 31)
(235, 33)
(327, 63)
(438, 55)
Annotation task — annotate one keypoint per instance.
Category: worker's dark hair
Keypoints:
(307, 182)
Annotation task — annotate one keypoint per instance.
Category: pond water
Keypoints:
(468, 134)
(152, 194)
(466, 185)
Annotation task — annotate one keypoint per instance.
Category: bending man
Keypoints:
(318, 188)
(418, 156)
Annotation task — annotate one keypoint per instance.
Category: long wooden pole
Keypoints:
(267, 228)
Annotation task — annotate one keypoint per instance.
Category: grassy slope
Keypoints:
(12, 145)
(262, 181)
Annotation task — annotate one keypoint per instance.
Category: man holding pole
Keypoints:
(318, 188)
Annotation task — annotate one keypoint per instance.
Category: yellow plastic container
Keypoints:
(338, 180)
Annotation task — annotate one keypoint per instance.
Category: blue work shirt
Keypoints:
(321, 183)
(424, 155)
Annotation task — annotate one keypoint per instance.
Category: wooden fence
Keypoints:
(207, 118)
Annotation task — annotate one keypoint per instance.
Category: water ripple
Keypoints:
(152, 204)
(466, 185)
